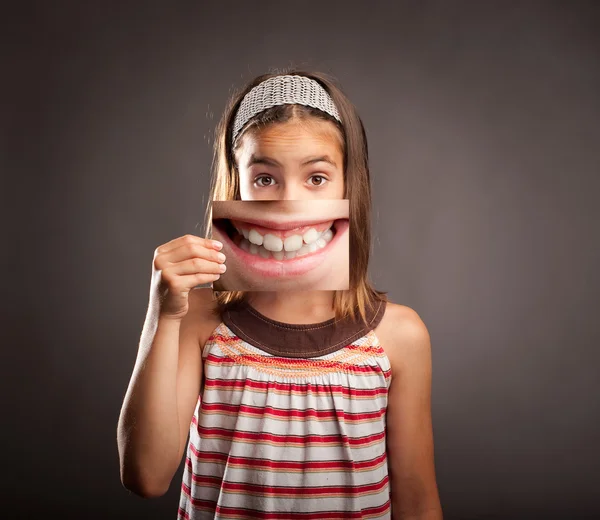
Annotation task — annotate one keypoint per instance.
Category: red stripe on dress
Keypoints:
(300, 440)
(285, 491)
(309, 413)
(228, 339)
(208, 480)
(284, 465)
(233, 512)
(284, 363)
(369, 349)
(237, 512)
(241, 384)
(198, 503)
(212, 457)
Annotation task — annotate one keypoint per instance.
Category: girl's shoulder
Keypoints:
(401, 331)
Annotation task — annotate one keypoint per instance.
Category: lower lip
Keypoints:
(272, 268)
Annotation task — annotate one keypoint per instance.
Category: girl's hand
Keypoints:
(179, 266)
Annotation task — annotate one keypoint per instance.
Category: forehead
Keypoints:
(293, 139)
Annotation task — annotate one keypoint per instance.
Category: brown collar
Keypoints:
(299, 341)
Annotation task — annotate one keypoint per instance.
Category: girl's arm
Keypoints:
(162, 395)
(414, 491)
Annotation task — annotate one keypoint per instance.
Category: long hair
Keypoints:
(357, 185)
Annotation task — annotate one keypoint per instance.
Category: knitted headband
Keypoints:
(283, 90)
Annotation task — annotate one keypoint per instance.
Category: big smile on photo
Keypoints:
(282, 249)
(280, 245)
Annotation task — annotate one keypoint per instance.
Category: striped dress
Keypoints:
(290, 423)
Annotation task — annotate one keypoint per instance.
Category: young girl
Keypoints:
(299, 405)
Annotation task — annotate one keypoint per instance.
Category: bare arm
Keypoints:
(414, 490)
(162, 395)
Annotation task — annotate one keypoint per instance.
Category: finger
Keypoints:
(189, 281)
(188, 239)
(178, 285)
(196, 265)
(185, 252)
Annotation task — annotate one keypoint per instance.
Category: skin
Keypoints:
(409, 431)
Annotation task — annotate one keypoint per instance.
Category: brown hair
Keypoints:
(357, 188)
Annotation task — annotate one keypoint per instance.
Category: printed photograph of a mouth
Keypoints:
(281, 249)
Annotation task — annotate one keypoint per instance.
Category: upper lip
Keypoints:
(283, 225)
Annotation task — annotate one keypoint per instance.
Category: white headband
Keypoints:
(283, 90)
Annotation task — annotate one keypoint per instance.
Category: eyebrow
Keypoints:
(256, 159)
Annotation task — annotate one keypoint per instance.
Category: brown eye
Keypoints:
(264, 177)
(321, 180)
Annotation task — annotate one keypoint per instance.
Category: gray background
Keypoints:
(482, 120)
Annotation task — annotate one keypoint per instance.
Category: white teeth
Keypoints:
(292, 243)
(302, 251)
(272, 243)
(296, 245)
(310, 236)
(255, 237)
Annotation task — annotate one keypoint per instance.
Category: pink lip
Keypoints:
(272, 268)
(281, 225)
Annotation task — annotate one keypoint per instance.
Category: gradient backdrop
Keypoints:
(482, 118)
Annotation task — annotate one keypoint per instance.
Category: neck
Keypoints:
(294, 307)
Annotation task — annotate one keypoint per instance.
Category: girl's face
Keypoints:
(290, 231)
(296, 160)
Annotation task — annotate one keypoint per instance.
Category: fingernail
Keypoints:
(217, 244)
(222, 268)
(221, 257)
